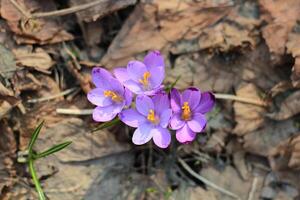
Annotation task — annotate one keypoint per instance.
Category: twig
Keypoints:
(68, 91)
(67, 111)
(241, 99)
(253, 188)
(207, 182)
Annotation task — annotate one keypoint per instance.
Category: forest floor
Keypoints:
(246, 51)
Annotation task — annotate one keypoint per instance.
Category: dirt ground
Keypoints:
(245, 51)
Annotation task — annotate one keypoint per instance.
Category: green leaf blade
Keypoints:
(52, 150)
(107, 124)
(34, 136)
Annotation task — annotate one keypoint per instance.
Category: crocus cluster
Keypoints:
(154, 112)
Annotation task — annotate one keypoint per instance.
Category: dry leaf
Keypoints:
(248, 117)
(288, 108)
(293, 48)
(199, 193)
(35, 31)
(271, 134)
(7, 62)
(101, 9)
(284, 15)
(142, 32)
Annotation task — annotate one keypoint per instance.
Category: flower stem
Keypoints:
(36, 180)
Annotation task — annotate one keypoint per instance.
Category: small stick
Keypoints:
(67, 111)
(253, 188)
(207, 182)
(241, 99)
(68, 91)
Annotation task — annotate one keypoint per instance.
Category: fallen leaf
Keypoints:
(35, 31)
(248, 117)
(292, 47)
(263, 140)
(38, 59)
(198, 193)
(101, 9)
(7, 62)
(288, 108)
(142, 32)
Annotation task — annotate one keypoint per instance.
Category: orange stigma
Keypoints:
(186, 111)
(145, 80)
(151, 117)
(113, 96)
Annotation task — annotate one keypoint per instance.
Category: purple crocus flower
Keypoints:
(151, 118)
(109, 96)
(188, 112)
(143, 77)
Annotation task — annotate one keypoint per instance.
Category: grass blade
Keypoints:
(107, 124)
(34, 136)
(52, 150)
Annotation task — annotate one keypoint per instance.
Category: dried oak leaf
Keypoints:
(248, 117)
(284, 15)
(288, 108)
(35, 31)
(151, 26)
(38, 59)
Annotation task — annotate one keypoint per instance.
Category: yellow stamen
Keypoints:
(151, 117)
(145, 80)
(113, 96)
(186, 111)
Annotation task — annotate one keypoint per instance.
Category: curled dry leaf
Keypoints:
(34, 31)
(286, 155)
(38, 59)
(288, 108)
(248, 117)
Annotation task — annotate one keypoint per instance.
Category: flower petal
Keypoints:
(121, 74)
(154, 59)
(165, 118)
(136, 70)
(207, 103)
(96, 97)
(132, 118)
(144, 104)
(161, 137)
(128, 97)
(198, 123)
(176, 122)
(157, 76)
(161, 102)
(142, 134)
(185, 134)
(133, 86)
(101, 77)
(192, 96)
(116, 86)
(104, 114)
(176, 100)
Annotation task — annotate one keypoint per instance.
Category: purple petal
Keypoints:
(144, 104)
(132, 118)
(157, 76)
(121, 74)
(136, 70)
(133, 86)
(101, 77)
(128, 97)
(142, 134)
(96, 97)
(192, 96)
(154, 91)
(154, 59)
(207, 102)
(165, 118)
(176, 122)
(175, 100)
(116, 86)
(161, 102)
(161, 137)
(198, 123)
(104, 114)
(185, 134)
